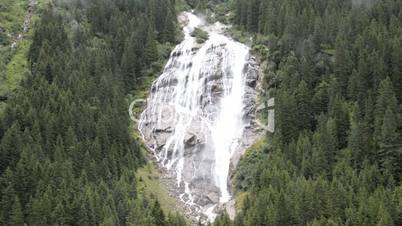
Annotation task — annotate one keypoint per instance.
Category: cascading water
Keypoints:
(199, 112)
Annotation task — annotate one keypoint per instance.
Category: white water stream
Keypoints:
(194, 118)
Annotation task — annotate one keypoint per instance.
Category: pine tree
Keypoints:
(252, 15)
(304, 154)
(284, 214)
(396, 68)
(223, 220)
(168, 33)
(128, 63)
(151, 50)
(338, 111)
(330, 143)
(7, 202)
(389, 144)
(16, 217)
(158, 214)
(303, 107)
(176, 220)
(343, 64)
(10, 146)
(320, 99)
(356, 143)
(385, 100)
(285, 116)
(307, 65)
(384, 218)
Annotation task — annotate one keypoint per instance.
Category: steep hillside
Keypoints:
(66, 153)
(334, 69)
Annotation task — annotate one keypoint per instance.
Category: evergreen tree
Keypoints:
(385, 100)
(342, 169)
(303, 107)
(285, 115)
(344, 63)
(396, 68)
(150, 50)
(16, 216)
(158, 214)
(64, 144)
(10, 146)
(8, 199)
(389, 143)
(128, 63)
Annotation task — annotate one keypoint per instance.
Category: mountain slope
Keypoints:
(334, 71)
(66, 153)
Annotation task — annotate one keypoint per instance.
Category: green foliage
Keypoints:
(17, 217)
(253, 156)
(181, 5)
(223, 220)
(200, 35)
(149, 185)
(16, 69)
(13, 61)
(335, 156)
(66, 154)
(240, 36)
(12, 14)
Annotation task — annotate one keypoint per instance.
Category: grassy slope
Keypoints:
(149, 184)
(16, 66)
(12, 14)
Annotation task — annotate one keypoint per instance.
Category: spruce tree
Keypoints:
(386, 99)
(150, 50)
(168, 33)
(16, 216)
(303, 107)
(158, 214)
(389, 142)
(343, 63)
(396, 68)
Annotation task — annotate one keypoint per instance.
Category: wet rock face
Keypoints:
(185, 110)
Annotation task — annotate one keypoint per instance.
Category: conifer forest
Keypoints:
(324, 75)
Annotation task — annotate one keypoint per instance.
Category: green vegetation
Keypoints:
(12, 14)
(200, 35)
(335, 71)
(2, 108)
(253, 156)
(66, 153)
(149, 183)
(13, 61)
(241, 36)
(181, 5)
(68, 157)
(16, 69)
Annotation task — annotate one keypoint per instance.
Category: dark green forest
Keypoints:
(335, 69)
(68, 156)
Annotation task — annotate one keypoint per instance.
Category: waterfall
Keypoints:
(197, 114)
